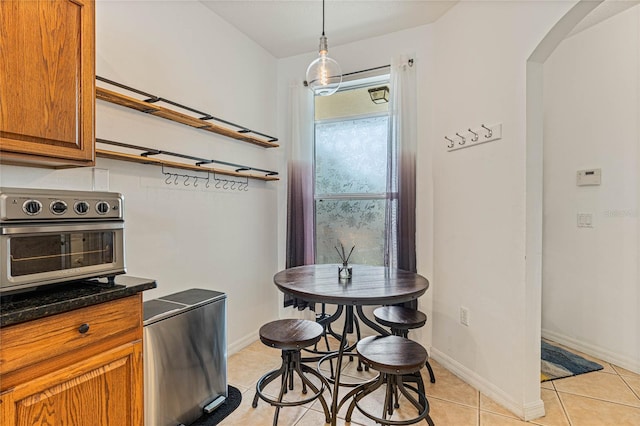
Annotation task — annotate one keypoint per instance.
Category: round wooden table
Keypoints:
(369, 285)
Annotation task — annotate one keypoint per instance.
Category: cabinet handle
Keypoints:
(83, 328)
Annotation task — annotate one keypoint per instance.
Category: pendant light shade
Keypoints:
(324, 75)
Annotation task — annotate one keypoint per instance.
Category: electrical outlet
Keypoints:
(464, 316)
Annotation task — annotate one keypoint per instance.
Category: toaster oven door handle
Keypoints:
(70, 227)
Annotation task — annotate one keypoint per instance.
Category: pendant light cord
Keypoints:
(322, 17)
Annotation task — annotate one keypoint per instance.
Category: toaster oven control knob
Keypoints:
(58, 207)
(102, 207)
(81, 207)
(32, 207)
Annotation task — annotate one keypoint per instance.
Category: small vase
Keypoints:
(344, 272)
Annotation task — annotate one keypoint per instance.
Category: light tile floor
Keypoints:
(610, 397)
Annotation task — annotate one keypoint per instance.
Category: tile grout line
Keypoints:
(564, 409)
(302, 416)
(602, 400)
(616, 373)
(637, 394)
(453, 402)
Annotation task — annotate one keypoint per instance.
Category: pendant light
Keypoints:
(324, 74)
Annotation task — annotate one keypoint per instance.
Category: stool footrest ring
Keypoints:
(291, 364)
(331, 380)
(269, 377)
(393, 382)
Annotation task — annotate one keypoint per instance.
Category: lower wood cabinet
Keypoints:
(103, 390)
(98, 384)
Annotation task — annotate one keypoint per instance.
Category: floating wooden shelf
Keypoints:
(169, 114)
(160, 162)
(145, 156)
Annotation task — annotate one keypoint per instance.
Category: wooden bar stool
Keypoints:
(291, 335)
(397, 359)
(401, 320)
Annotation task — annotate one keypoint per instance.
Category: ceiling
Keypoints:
(604, 11)
(289, 28)
(292, 27)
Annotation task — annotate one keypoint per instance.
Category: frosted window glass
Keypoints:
(359, 222)
(351, 156)
(351, 159)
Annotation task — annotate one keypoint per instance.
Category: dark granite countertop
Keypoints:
(64, 297)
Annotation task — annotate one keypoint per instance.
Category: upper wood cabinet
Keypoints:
(47, 82)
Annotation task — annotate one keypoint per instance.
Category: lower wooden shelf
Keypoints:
(140, 159)
(145, 157)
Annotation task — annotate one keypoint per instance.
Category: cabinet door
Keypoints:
(47, 82)
(105, 390)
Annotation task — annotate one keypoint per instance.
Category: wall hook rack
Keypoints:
(195, 180)
(452, 143)
(241, 185)
(474, 136)
(489, 131)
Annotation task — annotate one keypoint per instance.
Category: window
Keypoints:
(351, 155)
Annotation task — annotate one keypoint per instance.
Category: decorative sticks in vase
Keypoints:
(344, 272)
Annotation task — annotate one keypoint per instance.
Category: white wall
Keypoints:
(591, 290)
(471, 240)
(471, 236)
(480, 199)
(181, 236)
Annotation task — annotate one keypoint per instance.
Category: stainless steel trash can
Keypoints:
(185, 356)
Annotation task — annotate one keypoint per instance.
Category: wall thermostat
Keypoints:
(589, 177)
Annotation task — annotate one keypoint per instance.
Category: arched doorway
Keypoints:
(535, 170)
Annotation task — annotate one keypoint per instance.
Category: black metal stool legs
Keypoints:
(291, 364)
(405, 333)
(432, 377)
(394, 384)
(325, 320)
(399, 360)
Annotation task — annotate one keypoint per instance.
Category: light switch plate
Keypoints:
(585, 220)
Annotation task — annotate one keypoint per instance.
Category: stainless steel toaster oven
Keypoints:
(50, 236)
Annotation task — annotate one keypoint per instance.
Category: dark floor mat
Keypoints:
(233, 401)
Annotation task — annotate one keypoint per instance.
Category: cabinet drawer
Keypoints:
(45, 338)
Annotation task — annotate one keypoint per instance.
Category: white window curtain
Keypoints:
(400, 217)
(300, 221)
(400, 241)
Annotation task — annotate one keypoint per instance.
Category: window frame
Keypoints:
(367, 82)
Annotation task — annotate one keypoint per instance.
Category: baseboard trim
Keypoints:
(526, 412)
(606, 355)
(242, 343)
